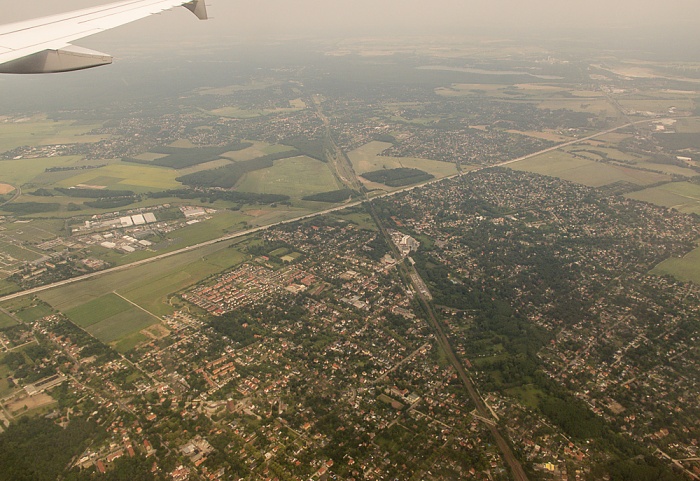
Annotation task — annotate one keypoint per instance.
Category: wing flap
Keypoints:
(66, 59)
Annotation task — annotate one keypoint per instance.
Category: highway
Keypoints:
(254, 230)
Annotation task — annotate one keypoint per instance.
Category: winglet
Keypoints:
(198, 7)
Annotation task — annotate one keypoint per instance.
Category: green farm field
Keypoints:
(34, 312)
(98, 310)
(121, 325)
(7, 287)
(110, 318)
(296, 177)
(594, 174)
(685, 268)
(38, 131)
(23, 171)
(682, 196)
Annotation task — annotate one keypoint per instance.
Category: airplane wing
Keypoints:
(42, 45)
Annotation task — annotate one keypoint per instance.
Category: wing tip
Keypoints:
(198, 7)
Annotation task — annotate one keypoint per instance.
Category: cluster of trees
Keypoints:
(238, 326)
(398, 177)
(27, 208)
(94, 193)
(678, 141)
(212, 195)
(36, 449)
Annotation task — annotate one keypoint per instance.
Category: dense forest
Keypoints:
(398, 177)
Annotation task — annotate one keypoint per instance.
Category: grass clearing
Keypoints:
(258, 149)
(272, 215)
(125, 176)
(549, 136)
(214, 164)
(6, 321)
(682, 196)
(37, 230)
(594, 174)
(362, 219)
(686, 268)
(295, 105)
(367, 159)
(5, 388)
(688, 125)
(37, 311)
(130, 342)
(17, 252)
(232, 89)
(528, 395)
(30, 403)
(296, 177)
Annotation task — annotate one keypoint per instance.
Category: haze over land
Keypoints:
(357, 241)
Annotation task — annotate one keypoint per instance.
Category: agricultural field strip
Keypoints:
(236, 235)
(137, 306)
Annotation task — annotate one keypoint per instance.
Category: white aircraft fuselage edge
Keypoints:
(42, 45)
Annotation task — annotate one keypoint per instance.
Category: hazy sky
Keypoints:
(603, 24)
(242, 18)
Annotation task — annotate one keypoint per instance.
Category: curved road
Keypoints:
(18, 192)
